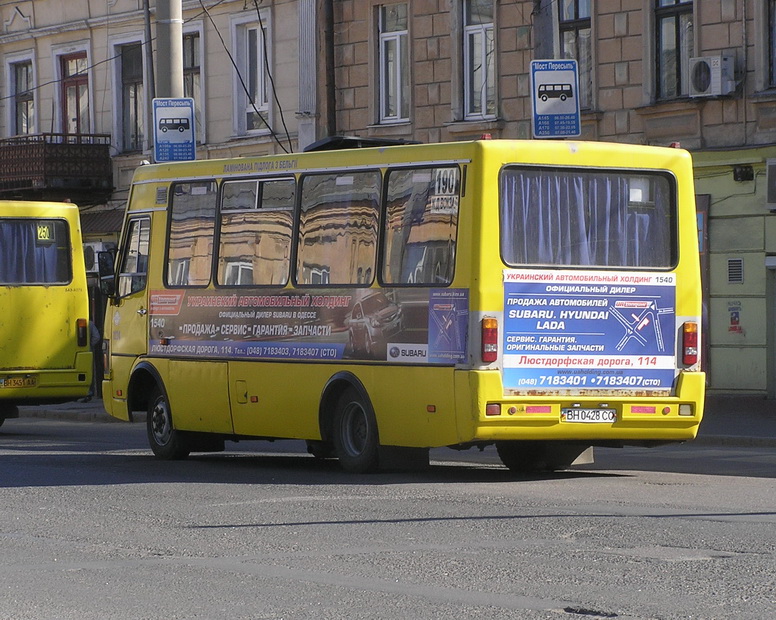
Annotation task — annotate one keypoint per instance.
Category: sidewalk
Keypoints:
(741, 420)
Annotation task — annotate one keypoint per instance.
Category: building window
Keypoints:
(575, 41)
(772, 43)
(75, 94)
(394, 64)
(674, 29)
(257, 100)
(251, 85)
(479, 59)
(132, 97)
(191, 75)
(24, 101)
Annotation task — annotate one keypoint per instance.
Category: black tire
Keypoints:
(526, 457)
(355, 437)
(8, 411)
(523, 457)
(166, 443)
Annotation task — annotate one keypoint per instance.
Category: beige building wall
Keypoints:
(44, 30)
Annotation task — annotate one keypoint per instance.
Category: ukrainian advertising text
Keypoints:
(587, 330)
(426, 326)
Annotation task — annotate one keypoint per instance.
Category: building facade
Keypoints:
(270, 76)
(84, 71)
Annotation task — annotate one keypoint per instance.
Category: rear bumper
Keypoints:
(638, 419)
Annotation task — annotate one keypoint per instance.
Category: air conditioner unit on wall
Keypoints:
(770, 184)
(711, 76)
(90, 254)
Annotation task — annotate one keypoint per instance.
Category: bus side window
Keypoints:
(421, 226)
(132, 273)
(338, 228)
(255, 238)
(192, 227)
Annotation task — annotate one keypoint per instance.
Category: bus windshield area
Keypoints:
(552, 216)
(34, 251)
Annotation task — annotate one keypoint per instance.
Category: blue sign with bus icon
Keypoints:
(174, 137)
(555, 88)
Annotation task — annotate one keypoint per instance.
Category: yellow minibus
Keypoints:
(45, 354)
(542, 296)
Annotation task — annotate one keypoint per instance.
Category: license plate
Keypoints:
(18, 382)
(590, 416)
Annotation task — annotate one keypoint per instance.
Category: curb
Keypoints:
(735, 441)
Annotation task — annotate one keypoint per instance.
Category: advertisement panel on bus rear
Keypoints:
(394, 325)
(589, 330)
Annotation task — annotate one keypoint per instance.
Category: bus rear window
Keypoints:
(582, 218)
(34, 251)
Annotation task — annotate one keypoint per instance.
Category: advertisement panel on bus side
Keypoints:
(589, 330)
(394, 325)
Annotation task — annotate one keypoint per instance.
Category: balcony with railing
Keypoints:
(54, 166)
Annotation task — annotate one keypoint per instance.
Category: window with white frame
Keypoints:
(393, 61)
(251, 84)
(479, 68)
(74, 93)
(23, 97)
(674, 46)
(771, 44)
(132, 96)
(575, 41)
(192, 80)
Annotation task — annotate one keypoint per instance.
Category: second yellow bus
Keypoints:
(540, 296)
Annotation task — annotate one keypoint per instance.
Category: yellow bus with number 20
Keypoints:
(542, 296)
(45, 354)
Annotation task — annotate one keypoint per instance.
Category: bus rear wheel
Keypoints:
(166, 442)
(355, 437)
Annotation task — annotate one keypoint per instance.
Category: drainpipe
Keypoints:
(331, 94)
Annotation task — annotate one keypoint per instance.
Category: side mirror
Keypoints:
(106, 273)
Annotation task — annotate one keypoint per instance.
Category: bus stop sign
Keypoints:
(555, 98)
(174, 129)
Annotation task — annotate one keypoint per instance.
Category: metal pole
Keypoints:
(149, 61)
(169, 49)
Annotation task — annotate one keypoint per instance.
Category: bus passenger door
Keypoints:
(126, 322)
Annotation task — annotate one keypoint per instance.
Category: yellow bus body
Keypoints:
(44, 351)
(415, 405)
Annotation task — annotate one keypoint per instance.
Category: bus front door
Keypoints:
(126, 322)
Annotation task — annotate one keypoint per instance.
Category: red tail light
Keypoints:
(82, 332)
(690, 343)
(489, 340)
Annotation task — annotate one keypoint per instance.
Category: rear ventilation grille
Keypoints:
(735, 271)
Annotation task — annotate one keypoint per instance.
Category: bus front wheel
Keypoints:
(355, 437)
(166, 442)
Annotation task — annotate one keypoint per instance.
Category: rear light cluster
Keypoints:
(82, 332)
(489, 340)
(690, 343)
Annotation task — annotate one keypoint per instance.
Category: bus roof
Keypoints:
(536, 152)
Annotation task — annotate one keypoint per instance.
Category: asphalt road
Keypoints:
(93, 527)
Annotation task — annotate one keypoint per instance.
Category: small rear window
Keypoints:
(587, 218)
(35, 251)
